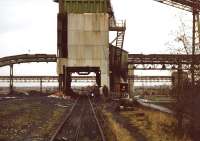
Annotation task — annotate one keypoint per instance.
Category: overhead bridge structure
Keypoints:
(50, 79)
(188, 5)
(192, 6)
(133, 59)
(135, 62)
(137, 78)
(36, 79)
(42, 79)
(55, 79)
(77, 78)
(167, 61)
(27, 58)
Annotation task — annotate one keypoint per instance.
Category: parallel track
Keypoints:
(80, 124)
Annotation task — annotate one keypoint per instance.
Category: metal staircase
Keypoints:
(119, 41)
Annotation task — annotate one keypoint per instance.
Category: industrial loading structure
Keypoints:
(83, 40)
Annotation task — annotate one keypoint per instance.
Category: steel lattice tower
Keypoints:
(192, 6)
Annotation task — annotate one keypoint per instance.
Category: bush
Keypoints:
(187, 108)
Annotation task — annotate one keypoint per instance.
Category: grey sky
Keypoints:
(29, 26)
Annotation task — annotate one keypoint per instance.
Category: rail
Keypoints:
(98, 123)
(77, 120)
(63, 122)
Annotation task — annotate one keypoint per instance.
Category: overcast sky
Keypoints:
(29, 26)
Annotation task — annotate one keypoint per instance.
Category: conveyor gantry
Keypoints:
(194, 7)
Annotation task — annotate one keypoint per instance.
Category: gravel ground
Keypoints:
(31, 118)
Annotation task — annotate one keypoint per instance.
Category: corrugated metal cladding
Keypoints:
(88, 40)
(88, 43)
(115, 62)
(62, 39)
(85, 6)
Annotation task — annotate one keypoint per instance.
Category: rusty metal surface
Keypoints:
(132, 59)
(115, 61)
(162, 59)
(188, 5)
(27, 58)
(87, 6)
(62, 35)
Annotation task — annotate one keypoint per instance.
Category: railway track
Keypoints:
(80, 124)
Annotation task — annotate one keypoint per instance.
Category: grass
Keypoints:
(121, 133)
(154, 125)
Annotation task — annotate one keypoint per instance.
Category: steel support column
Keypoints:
(11, 78)
(67, 81)
(41, 85)
(98, 79)
(179, 77)
(60, 82)
(195, 42)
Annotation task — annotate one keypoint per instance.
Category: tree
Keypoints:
(187, 98)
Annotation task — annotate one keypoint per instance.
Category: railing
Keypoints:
(117, 26)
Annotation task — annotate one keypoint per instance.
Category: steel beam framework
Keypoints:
(27, 58)
(50, 79)
(187, 5)
(194, 7)
(162, 61)
(42, 78)
(137, 78)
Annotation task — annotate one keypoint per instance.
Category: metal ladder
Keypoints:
(120, 42)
